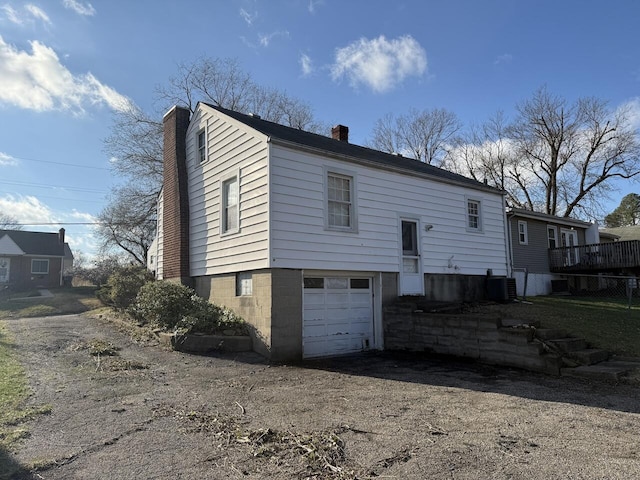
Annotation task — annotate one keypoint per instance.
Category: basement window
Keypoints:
(244, 284)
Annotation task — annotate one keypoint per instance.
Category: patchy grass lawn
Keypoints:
(14, 411)
(606, 323)
(64, 301)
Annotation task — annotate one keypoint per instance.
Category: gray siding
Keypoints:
(535, 255)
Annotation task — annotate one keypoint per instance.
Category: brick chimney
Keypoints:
(340, 132)
(175, 216)
(61, 236)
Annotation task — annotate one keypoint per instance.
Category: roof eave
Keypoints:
(379, 166)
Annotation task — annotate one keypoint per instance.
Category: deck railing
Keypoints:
(595, 257)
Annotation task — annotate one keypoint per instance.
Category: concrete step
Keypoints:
(516, 335)
(613, 371)
(550, 333)
(569, 344)
(589, 356)
(511, 322)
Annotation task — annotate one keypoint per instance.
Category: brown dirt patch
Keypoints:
(145, 412)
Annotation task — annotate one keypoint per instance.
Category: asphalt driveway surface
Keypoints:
(138, 411)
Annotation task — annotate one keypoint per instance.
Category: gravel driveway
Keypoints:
(148, 413)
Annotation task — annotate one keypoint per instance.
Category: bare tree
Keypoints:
(135, 143)
(7, 222)
(128, 223)
(556, 157)
(573, 150)
(423, 135)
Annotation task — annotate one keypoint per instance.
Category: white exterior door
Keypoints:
(5, 265)
(569, 238)
(337, 315)
(411, 278)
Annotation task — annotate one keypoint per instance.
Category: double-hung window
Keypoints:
(340, 202)
(523, 233)
(39, 266)
(552, 235)
(202, 145)
(230, 221)
(474, 215)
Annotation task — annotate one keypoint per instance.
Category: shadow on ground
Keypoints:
(459, 373)
(10, 469)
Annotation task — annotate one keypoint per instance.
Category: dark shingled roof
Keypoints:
(36, 243)
(346, 149)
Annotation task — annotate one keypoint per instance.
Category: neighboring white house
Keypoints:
(308, 236)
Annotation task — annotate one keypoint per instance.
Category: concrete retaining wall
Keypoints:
(477, 336)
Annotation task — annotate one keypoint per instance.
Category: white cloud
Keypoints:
(632, 110)
(38, 13)
(313, 4)
(265, 40)
(306, 64)
(12, 14)
(247, 17)
(504, 58)
(380, 64)
(85, 9)
(32, 12)
(7, 160)
(82, 216)
(38, 81)
(27, 209)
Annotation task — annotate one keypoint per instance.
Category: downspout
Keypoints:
(507, 233)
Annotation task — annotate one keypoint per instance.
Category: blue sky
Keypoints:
(67, 65)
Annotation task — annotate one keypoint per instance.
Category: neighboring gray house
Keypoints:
(537, 239)
(307, 236)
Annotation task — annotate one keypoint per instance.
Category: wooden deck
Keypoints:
(598, 257)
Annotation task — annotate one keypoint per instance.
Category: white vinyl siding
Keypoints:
(300, 239)
(160, 238)
(234, 150)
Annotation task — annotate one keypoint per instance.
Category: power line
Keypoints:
(41, 185)
(60, 163)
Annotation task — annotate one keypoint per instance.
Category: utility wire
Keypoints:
(40, 185)
(60, 163)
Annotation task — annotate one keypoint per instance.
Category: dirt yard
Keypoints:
(142, 412)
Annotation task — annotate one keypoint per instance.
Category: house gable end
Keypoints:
(9, 247)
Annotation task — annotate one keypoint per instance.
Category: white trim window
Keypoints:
(523, 233)
(552, 236)
(39, 266)
(230, 217)
(474, 215)
(244, 284)
(340, 202)
(201, 142)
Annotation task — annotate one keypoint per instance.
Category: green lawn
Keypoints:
(605, 323)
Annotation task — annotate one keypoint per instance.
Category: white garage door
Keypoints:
(338, 315)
